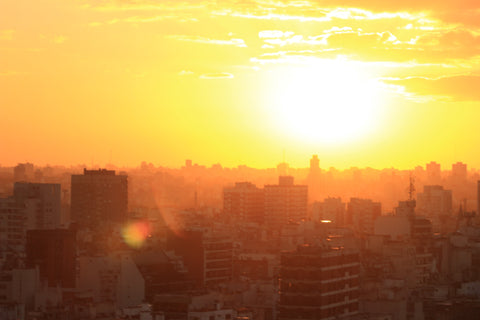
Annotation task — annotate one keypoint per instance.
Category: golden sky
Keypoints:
(358, 82)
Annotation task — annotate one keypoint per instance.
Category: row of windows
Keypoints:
(317, 274)
(286, 286)
(299, 313)
(317, 260)
(317, 301)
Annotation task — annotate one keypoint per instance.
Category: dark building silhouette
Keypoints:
(331, 209)
(99, 197)
(23, 172)
(12, 225)
(459, 172)
(313, 179)
(54, 252)
(42, 203)
(285, 202)
(207, 257)
(319, 283)
(244, 202)
(478, 202)
(434, 172)
(361, 214)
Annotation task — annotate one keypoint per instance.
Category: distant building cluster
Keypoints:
(198, 243)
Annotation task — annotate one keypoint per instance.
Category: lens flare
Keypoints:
(136, 233)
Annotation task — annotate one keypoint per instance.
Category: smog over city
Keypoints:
(239, 160)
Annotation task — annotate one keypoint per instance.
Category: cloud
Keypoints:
(197, 39)
(221, 75)
(440, 45)
(456, 88)
(274, 34)
(451, 11)
(313, 13)
(185, 73)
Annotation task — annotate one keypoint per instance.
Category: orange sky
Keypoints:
(360, 83)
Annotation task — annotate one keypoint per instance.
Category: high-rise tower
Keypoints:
(98, 197)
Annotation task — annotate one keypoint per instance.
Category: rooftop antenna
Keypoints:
(411, 187)
(283, 155)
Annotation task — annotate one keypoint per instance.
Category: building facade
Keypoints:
(99, 197)
(319, 283)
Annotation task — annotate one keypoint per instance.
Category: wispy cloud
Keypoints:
(197, 39)
(185, 73)
(456, 88)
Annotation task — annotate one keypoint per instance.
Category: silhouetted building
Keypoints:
(54, 252)
(282, 169)
(207, 257)
(459, 171)
(23, 172)
(99, 197)
(285, 202)
(314, 183)
(434, 172)
(330, 209)
(244, 202)
(42, 204)
(361, 214)
(314, 165)
(478, 199)
(319, 283)
(435, 203)
(12, 226)
(112, 278)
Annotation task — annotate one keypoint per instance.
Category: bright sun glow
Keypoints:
(332, 102)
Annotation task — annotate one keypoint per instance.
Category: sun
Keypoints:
(331, 102)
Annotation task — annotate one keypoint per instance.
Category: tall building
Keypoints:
(319, 283)
(54, 252)
(313, 179)
(435, 203)
(208, 257)
(459, 170)
(478, 199)
(282, 168)
(244, 202)
(42, 204)
(285, 202)
(113, 278)
(12, 226)
(23, 172)
(314, 165)
(361, 214)
(434, 172)
(99, 197)
(331, 209)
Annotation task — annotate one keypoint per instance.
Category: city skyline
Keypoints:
(360, 83)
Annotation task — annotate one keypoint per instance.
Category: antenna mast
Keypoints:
(411, 187)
